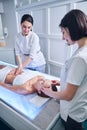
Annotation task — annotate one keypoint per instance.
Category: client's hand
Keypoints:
(15, 72)
(18, 70)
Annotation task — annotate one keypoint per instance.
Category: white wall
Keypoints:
(9, 21)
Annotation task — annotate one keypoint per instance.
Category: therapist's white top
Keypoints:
(28, 46)
(75, 72)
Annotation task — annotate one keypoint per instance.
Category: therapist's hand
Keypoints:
(47, 91)
(12, 72)
(38, 82)
(19, 70)
(55, 82)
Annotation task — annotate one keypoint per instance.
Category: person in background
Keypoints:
(27, 47)
(73, 79)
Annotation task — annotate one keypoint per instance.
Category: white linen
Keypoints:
(25, 76)
(4, 72)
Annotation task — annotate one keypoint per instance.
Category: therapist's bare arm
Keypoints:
(66, 94)
(19, 60)
(20, 66)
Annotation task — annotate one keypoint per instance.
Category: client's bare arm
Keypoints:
(20, 89)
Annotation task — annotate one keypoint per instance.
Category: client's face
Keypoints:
(47, 83)
(40, 84)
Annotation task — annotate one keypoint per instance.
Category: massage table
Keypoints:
(29, 112)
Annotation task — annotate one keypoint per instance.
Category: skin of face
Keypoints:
(26, 27)
(66, 36)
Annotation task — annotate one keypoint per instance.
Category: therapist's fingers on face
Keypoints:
(38, 89)
(45, 90)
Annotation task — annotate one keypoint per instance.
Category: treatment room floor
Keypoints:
(4, 126)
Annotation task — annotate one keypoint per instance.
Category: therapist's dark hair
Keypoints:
(27, 17)
(76, 22)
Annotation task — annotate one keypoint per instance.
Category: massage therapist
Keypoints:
(27, 47)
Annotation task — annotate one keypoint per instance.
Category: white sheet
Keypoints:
(38, 101)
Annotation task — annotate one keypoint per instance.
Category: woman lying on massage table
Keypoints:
(24, 83)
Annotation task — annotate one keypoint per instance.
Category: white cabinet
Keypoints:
(7, 55)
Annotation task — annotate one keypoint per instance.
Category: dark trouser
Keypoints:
(71, 124)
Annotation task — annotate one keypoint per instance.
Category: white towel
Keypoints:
(25, 76)
(4, 72)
